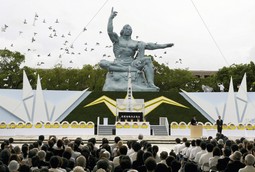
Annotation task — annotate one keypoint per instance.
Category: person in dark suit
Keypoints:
(193, 121)
(219, 124)
(223, 162)
(235, 164)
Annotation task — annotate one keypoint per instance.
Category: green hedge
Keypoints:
(173, 113)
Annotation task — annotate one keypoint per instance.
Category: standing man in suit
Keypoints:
(219, 124)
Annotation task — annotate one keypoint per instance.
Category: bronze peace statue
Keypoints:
(129, 56)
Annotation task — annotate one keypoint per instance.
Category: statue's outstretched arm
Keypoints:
(113, 36)
(153, 46)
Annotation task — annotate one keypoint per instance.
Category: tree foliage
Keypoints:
(10, 69)
(93, 77)
(236, 71)
(168, 79)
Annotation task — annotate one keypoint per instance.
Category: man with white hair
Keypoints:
(105, 156)
(78, 169)
(235, 164)
(249, 162)
(81, 162)
(13, 166)
(42, 163)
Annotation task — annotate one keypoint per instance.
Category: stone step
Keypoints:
(105, 129)
(159, 130)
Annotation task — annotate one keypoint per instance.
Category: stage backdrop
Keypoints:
(165, 109)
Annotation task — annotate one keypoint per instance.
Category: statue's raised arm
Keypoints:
(113, 36)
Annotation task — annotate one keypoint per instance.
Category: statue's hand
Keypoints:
(170, 45)
(113, 13)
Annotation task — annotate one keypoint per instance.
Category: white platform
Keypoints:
(212, 132)
(46, 131)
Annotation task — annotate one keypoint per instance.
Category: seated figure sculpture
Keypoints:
(129, 57)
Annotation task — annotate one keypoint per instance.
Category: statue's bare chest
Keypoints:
(128, 44)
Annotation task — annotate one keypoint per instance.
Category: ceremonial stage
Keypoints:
(30, 112)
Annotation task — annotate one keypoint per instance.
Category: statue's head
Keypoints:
(126, 30)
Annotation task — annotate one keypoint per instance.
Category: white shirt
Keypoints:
(130, 151)
(182, 146)
(157, 158)
(184, 152)
(198, 155)
(213, 161)
(54, 170)
(194, 152)
(133, 156)
(116, 161)
(188, 152)
(176, 148)
(204, 159)
(247, 168)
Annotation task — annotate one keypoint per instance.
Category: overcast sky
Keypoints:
(208, 34)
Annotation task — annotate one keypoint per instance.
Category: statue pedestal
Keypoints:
(118, 81)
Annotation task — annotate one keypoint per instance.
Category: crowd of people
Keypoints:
(64, 155)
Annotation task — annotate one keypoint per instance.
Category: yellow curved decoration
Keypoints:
(47, 125)
(82, 124)
(56, 124)
(20, 124)
(208, 125)
(249, 127)
(65, 124)
(174, 125)
(241, 127)
(224, 127)
(38, 125)
(135, 125)
(12, 125)
(231, 126)
(74, 124)
(28, 125)
(215, 127)
(188, 125)
(144, 125)
(182, 125)
(126, 125)
(3, 125)
(90, 124)
(118, 125)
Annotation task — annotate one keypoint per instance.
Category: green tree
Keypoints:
(10, 69)
(168, 79)
(237, 71)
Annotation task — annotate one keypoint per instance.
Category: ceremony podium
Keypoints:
(196, 131)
